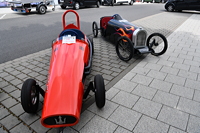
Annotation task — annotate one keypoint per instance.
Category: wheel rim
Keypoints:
(33, 95)
(158, 44)
(42, 9)
(77, 6)
(124, 49)
(170, 8)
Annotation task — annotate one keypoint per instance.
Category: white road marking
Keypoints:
(2, 16)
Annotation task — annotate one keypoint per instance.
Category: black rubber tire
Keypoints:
(95, 29)
(131, 2)
(30, 96)
(103, 32)
(98, 4)
(76, 6)
(128, 48)
(156, 43)
(170, 8)
(42, 9)
(112, 3)
(100, 92)
(91, 40)
(63, 7)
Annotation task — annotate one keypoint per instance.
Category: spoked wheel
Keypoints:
(157, 43)
(30, 96)
(100, 96)
(124, 48)
(95, 29)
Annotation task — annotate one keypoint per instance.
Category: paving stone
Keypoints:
(189, 106)
(193, 124)
(175, 59)
(141, 79)
(196, 96)
(15, 72)
(21, 128)
(22, 76)
(85, 117)
(111, 93)
(161, 85)
(116, 70)
(182, 91)
(175, 79)
(16, 94)
(4, 74)
(173, 117)
(104, 112)
(187, 74)
(99, 124)
(122, 130)
(29, 118)
(10, 121)
(184, 56)
(3, 112)
(65, 130)
(195, 69)
(139, 70)
(165, 63)
(9, 102)
(9, 78)
(129, 76)
(125, 85)
(124, 99)
(153, 66)
(147, 107)
(181, 66)
(37, 126)
(3, 96)
(149, 125)
(175, 130)
(144, 91)
(2, 130)
(107, 77)
(17, 109)
(169, 70)
(9, 88)
(157, 74)
(166, 98)
(130, 117)
(192, 84)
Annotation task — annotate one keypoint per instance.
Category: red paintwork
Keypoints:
(65, 87)
(104, 21)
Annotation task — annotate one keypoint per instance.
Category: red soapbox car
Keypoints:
(70, 63)
(129, 38)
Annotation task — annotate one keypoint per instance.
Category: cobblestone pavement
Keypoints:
(147, 94)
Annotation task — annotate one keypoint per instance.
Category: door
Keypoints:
(181, 4)
(90, 2)
(194, 5)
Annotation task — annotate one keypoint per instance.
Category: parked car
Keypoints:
(112, 2)
(179, 5)
(152, 1)
(76, 4)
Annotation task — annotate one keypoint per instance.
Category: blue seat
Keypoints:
(73, 32)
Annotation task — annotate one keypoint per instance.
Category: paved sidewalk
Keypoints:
(158, 94)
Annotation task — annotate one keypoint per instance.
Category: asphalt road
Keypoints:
(22, 34)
